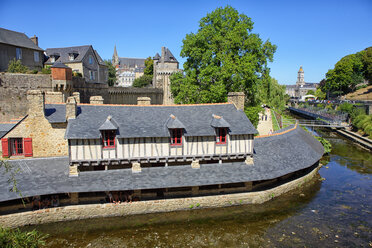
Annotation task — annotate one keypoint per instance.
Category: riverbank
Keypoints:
(355, 137)
(79, 212)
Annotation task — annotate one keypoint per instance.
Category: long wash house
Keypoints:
(111, 137)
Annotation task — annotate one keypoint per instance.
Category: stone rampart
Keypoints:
(87, 90)
(13, 92)
(77, 212)
(121, 95)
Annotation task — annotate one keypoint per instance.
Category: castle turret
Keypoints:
(164, 67)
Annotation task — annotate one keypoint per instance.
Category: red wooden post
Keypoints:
(5, 147)
(28, 147)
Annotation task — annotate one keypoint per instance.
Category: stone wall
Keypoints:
(87, 90)
(145, 207)
(13, 91)
(121, 95)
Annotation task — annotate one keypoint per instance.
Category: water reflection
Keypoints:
(334, 210)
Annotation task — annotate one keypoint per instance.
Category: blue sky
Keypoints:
(314, 34)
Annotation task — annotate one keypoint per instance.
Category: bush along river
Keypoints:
(332, 210)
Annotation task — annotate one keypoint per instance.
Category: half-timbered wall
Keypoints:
(160, 148)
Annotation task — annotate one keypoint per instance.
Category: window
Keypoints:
(71, 56)
(90, 59)
(52, 59)
(16, 146)
(108, 138)
(36, 56)
(221, 135)
(176, 137)
(91, 75)
(18, 53)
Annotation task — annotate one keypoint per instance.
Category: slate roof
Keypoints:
(151, 121)
(274, 156)
(219, 121)
(168, 56)
(100, 60)
(59, 65)
(6, 127)
(17, 39)
(64, 53)
(157, 56)
(131, 62)
(55, 113)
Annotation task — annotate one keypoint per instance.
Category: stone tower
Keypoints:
(164, 66)
(115, 58)
(300, 77)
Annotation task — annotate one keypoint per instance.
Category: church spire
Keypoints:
(115, 57)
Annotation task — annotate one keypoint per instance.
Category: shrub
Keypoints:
(15, 66)
(17, 238)
(33, 72)
(46, 70)
(77, 74)
(326, 144)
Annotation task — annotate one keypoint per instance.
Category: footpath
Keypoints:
(265, 124)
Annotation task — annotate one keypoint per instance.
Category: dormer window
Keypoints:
(108, 138)
(54, 57)
(72, 55)
(221, 135)
(176, 136)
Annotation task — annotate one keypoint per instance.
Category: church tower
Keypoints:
(164, 66)
(115, 58)
(300, 77)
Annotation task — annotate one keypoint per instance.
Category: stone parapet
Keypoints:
(96, 100)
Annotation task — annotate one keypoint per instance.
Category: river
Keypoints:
(333, 210)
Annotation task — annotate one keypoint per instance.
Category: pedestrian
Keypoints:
(265, 117)
(270, 132)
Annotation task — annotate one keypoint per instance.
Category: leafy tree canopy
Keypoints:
(142, 81)
(348, 72)
(149, 66)
(111, 73)
(223, 56)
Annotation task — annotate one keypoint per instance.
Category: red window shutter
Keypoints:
(5, 147)
(27, 147)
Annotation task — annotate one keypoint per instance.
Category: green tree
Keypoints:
(142, 81)
(223, 56)
(310, 92)
(111, 73)
(347, 73)
(320, 94)
(149, 66)
(367, 63)
(15, 66)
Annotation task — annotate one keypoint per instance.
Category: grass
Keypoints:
(274, 121)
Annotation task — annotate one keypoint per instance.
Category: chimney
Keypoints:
(54, 97)
(36, 105)
(143, 100)
(71, 108)
(35, 40)
(77, 97)
(96, 100)
(162, 54)
(237, 98)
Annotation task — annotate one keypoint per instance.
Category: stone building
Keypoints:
(301, 87)
(15, 45)
(164, 66)
(82, 59)
(127, 69)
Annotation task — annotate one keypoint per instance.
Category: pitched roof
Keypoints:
(59, 65)
(157, 56)
(132, 62)
(274, 156)
(6, 127)
(168, 56)
(219, 121)
(55, 113)
(173, 122)
(100, 60)
(64, 53)
(109, 124)
(17, 39)
(151, 121)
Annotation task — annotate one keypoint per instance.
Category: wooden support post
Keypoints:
(195, 190)
(74, 198)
